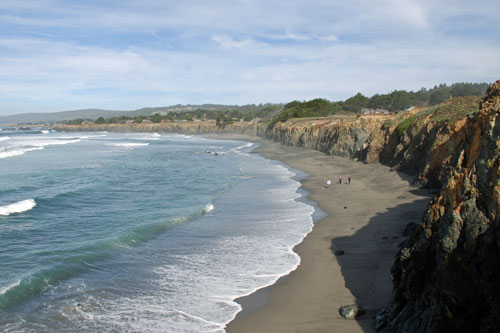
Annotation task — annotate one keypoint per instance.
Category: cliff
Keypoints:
(446, 276)
(420, 142)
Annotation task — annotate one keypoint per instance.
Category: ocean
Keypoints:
(140, 232)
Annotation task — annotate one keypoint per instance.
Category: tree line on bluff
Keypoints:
(272, 113)
(394, 101)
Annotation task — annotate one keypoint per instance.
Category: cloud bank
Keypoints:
(59, 55)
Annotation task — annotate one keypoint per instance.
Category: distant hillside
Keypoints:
(91, 114)
(31, 118)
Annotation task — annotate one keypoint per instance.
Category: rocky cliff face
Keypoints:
(419, 143)
(447, 275)
(206, 127)
(334, 136)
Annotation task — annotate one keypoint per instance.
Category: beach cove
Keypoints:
(135, 232)
(365, 220)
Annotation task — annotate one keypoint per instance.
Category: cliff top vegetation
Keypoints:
(398, 100)
(395, 101)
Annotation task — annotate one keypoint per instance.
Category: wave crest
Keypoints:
(17, 207)
(11, 153)
(208, 208)
(130, 144)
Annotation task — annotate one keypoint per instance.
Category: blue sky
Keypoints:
(60, 55)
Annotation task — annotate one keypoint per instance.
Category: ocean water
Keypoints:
(107, 232)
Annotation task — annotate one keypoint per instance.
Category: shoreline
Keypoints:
(364, 219)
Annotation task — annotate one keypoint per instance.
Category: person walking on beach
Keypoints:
(328, 183)
(349, 180)
(340, 180)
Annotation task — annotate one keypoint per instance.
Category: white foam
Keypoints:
(44, 143)
(91, 136)
(10, 286)
(182, 137)
(208, 208)
(248, 145)
(17, 207)
(17, 152)
(238, 150)
(128, 144)
(45, 131)
(19, 146)
(4, 138)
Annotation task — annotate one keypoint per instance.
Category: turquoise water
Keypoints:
(139, 232)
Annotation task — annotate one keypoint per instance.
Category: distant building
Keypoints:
(375, 111)
(87, 122)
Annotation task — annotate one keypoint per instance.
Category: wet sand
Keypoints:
(365, 220)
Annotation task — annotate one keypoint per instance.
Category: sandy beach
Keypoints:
(365, 220)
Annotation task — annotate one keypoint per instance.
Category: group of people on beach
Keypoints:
(329, 182)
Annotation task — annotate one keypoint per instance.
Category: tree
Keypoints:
(220, 121)
(439, 96)
(156, 118)
(400, 100)
(380, 102)
(356, 103)
(462, 89)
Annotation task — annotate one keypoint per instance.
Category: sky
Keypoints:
(58, 55)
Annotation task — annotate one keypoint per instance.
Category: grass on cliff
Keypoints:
(456, 109)
(450, 111)
(418, 117)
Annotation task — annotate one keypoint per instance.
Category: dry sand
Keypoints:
(365, 219)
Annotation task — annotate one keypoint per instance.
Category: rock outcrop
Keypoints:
(447, 275)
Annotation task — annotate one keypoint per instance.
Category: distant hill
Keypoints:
(55, 117)
(32, 118)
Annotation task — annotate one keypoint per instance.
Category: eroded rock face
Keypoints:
(447, 277)
(424, 149)
(331, 136)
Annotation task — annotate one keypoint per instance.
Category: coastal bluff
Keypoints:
(445, 275)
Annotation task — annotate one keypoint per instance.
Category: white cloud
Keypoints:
(409, 12)
(229, 43)
(161, 53)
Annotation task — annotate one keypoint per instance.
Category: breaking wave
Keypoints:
(17, 207)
